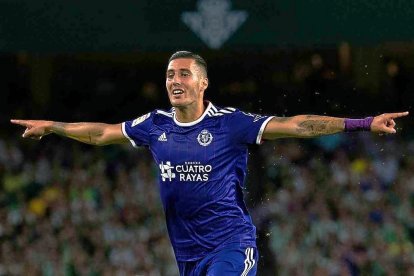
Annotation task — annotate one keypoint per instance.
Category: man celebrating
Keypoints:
(201, 151)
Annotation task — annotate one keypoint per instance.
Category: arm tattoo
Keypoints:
(312, 127)
(317, 127)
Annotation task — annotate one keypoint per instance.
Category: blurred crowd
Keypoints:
(337, 205)
(80, 211)
(340, 205)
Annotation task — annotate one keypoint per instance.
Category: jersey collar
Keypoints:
(210, 105)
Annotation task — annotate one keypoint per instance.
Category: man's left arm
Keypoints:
(308, 126)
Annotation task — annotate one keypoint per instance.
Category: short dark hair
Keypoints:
(187, 54)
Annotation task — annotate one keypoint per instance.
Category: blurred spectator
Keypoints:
(337, 205)
(325, 211)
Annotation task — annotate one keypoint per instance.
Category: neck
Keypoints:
(187, 114)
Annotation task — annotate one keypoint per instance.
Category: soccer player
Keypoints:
(201, 152)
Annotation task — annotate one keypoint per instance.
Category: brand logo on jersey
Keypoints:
(140, 119)
(167, 171)
(204, 138)
(256, 117)
(189, 171)
(163, 137)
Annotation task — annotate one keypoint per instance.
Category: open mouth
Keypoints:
(177, 92)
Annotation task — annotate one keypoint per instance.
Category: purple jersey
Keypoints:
(202, 168)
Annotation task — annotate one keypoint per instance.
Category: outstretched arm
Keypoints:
(307, 126)
(99, 134)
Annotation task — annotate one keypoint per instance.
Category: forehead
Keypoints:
(181, 63)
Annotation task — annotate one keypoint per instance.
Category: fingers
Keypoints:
(34, 128)
(391, 123)
(390, 130)
(396, 115)
(30, 134)
(26, 133)
(24, 123)
(389, 126)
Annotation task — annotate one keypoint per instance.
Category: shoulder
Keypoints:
(230, 113)
(152, 117)
(216, 111)
(237, 118)
(164, 113)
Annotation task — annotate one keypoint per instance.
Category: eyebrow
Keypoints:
(182, 69)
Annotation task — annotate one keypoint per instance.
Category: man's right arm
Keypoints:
(98, 134)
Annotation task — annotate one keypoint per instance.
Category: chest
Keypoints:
(198, 144)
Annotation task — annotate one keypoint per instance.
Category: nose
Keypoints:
(176, 81)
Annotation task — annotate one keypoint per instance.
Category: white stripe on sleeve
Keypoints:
(259, 135)
(126, 135)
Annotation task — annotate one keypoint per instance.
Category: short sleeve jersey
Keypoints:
(202, 168)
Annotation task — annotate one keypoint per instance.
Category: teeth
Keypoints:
(177, 92)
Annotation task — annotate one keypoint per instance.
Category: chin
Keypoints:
(178, 103)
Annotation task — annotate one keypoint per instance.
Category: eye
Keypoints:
(170, 76)
(185, 74)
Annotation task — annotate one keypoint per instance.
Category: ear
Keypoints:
(204, 83)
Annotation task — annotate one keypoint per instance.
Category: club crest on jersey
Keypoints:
(204, 138)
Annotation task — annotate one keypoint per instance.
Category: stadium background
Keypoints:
(326, 206)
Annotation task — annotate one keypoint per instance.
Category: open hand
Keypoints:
(385, 123)
(35, 129)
